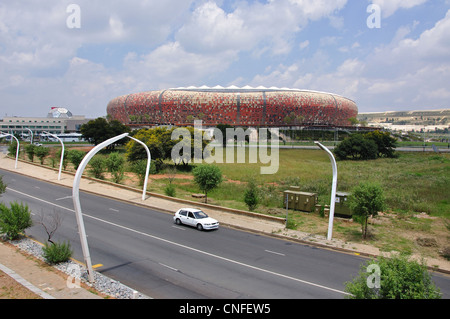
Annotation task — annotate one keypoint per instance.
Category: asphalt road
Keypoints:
(145, 250)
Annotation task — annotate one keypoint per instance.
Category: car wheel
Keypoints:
(178, 221)
(199, 227)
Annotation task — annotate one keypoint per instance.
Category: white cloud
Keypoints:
(389, 7)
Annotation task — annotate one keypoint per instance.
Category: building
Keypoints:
(247, 106)
(59, 120)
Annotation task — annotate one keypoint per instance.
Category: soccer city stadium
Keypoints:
(245, 107)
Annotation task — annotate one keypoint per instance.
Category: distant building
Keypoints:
(59, 120)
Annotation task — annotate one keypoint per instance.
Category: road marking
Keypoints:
(178, 227)
(63, 198)
(190, 248)
(114, 210)
(274, 252)
(174, 269)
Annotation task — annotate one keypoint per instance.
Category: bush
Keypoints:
(393, 278)
(75, 157)
(15, 219)
(169, 190)
(251, 197)
(97, 165)
(41, 152)
(57, 252)
(30, 149)
(356, 147)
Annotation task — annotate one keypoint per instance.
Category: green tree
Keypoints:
(14, 219)
(251, 197)
(393, 278)
(115, 164)
(12, 148)
(75, 157)
(100, 130)
(207, 177)
(366, 200)
(30, 150)
(97, 166)
(41, 152)
(386, 143)
(356, 147)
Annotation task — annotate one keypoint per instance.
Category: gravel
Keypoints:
(79, 273)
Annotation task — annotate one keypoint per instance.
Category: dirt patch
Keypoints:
(11, 289)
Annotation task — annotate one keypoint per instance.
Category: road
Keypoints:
(145, 250)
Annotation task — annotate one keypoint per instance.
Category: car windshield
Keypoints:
(200, 214)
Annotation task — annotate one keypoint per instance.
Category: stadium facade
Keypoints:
(246, 106)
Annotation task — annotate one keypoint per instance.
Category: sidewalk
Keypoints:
(227, 217)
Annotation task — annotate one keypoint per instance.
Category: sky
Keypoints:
(386, 55)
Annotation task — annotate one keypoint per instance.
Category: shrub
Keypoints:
(15, 219)
(57, 252)
(30, 149)
(169, 190)
(75, 157)
(393, 278)
(97, 165)
(251, 197)
(41, 152)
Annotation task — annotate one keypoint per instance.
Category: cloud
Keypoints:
(389, 7)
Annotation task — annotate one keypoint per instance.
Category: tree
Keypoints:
(75, 157)
(393, 278)
(97, 166)
(114, 163)
(41, 152)
(356, 147)
(207, 177)
(100, 130)
(251, 197)
(30, 150)
(15, 219)
(366, 200)
(386, 144)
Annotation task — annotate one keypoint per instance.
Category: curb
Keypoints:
(25, 283)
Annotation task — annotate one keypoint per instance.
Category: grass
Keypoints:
(413, 183)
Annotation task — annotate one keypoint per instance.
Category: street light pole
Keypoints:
(17, 150)
(144, 190)
(76, 201)
(31, 140)
(333, 189)
(62, 153)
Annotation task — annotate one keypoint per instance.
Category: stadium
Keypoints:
(245, 107)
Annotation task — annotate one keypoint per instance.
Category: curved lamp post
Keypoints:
(62, 153)
(31, 140)
(144, 190)
(17, 150)
(333, 189)
(76, 196)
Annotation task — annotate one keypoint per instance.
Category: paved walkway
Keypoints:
(227, 217)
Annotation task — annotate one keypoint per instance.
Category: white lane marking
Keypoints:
(174, 269)
(274, 252)
(193, 249)
(63, 198)
(114, 210)
(178, 227)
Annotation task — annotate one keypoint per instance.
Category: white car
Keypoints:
(196, 218)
